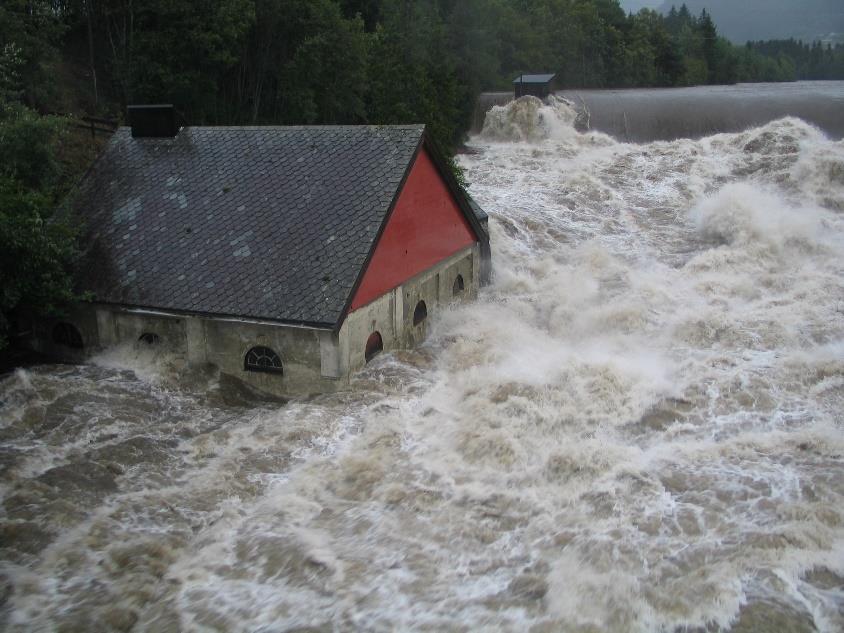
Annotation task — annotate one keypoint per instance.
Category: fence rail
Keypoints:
(97, 125)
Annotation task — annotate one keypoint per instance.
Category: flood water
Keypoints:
(637, 427)
(643, 115)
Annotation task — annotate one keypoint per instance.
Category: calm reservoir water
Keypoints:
(638, 427)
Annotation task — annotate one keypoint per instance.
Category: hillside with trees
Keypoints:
(746, 20)
(241, 62)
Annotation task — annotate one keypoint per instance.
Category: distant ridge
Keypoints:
(743, 20)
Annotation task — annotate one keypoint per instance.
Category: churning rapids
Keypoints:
(638, 427)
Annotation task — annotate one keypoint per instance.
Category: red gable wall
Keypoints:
(426, 226)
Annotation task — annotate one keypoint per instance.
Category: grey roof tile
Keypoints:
(240, 221)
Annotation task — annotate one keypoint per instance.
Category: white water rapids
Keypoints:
(637, 427)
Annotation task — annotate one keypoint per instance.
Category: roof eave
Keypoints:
(176, 312)
(456, 190)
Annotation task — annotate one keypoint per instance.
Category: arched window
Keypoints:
(458, 286)
(149, 338)
(67, 335)
(420, 313)
(374, 346)
(263, 359)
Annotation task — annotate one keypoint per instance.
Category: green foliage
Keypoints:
(36, 249)
(11, 63)
(787, 60)
(30, 34)
(181, 51)
(307, 64)
(410, 80)
(27, 144)
(458, 172)
(36, 255)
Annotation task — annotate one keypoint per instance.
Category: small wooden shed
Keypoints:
(536, 85)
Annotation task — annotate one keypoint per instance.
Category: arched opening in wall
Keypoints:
(149, 338)
(420, 313)
(374, 346)
(66, 334)
(263, 359)
(458, 286)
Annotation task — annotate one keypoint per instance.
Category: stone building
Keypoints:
(286, 256)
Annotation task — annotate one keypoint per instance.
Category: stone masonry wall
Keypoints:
(314, 361)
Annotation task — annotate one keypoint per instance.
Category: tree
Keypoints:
(32, 29)
(180, 52)
(413, 77)
(36, 255)
(36, 250)
(709, 44)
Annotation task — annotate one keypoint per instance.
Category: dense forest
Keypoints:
(303, 62)
(743, 20)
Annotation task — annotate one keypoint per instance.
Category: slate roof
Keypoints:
(534, 79)
(264, 222)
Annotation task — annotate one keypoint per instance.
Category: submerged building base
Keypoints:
(275, 358)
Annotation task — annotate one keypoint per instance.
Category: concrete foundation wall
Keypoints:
(313, 360)
(391, 314)
(309, 356)
(130, 327)
(227, 343)
(84, 319)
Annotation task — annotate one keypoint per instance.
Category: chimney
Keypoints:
(153, 121)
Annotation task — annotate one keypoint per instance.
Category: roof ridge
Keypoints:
(396, 126)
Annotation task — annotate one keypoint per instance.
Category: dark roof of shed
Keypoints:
(263, 222)
(534, 79)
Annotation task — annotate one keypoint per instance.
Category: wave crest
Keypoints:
(530, 119)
